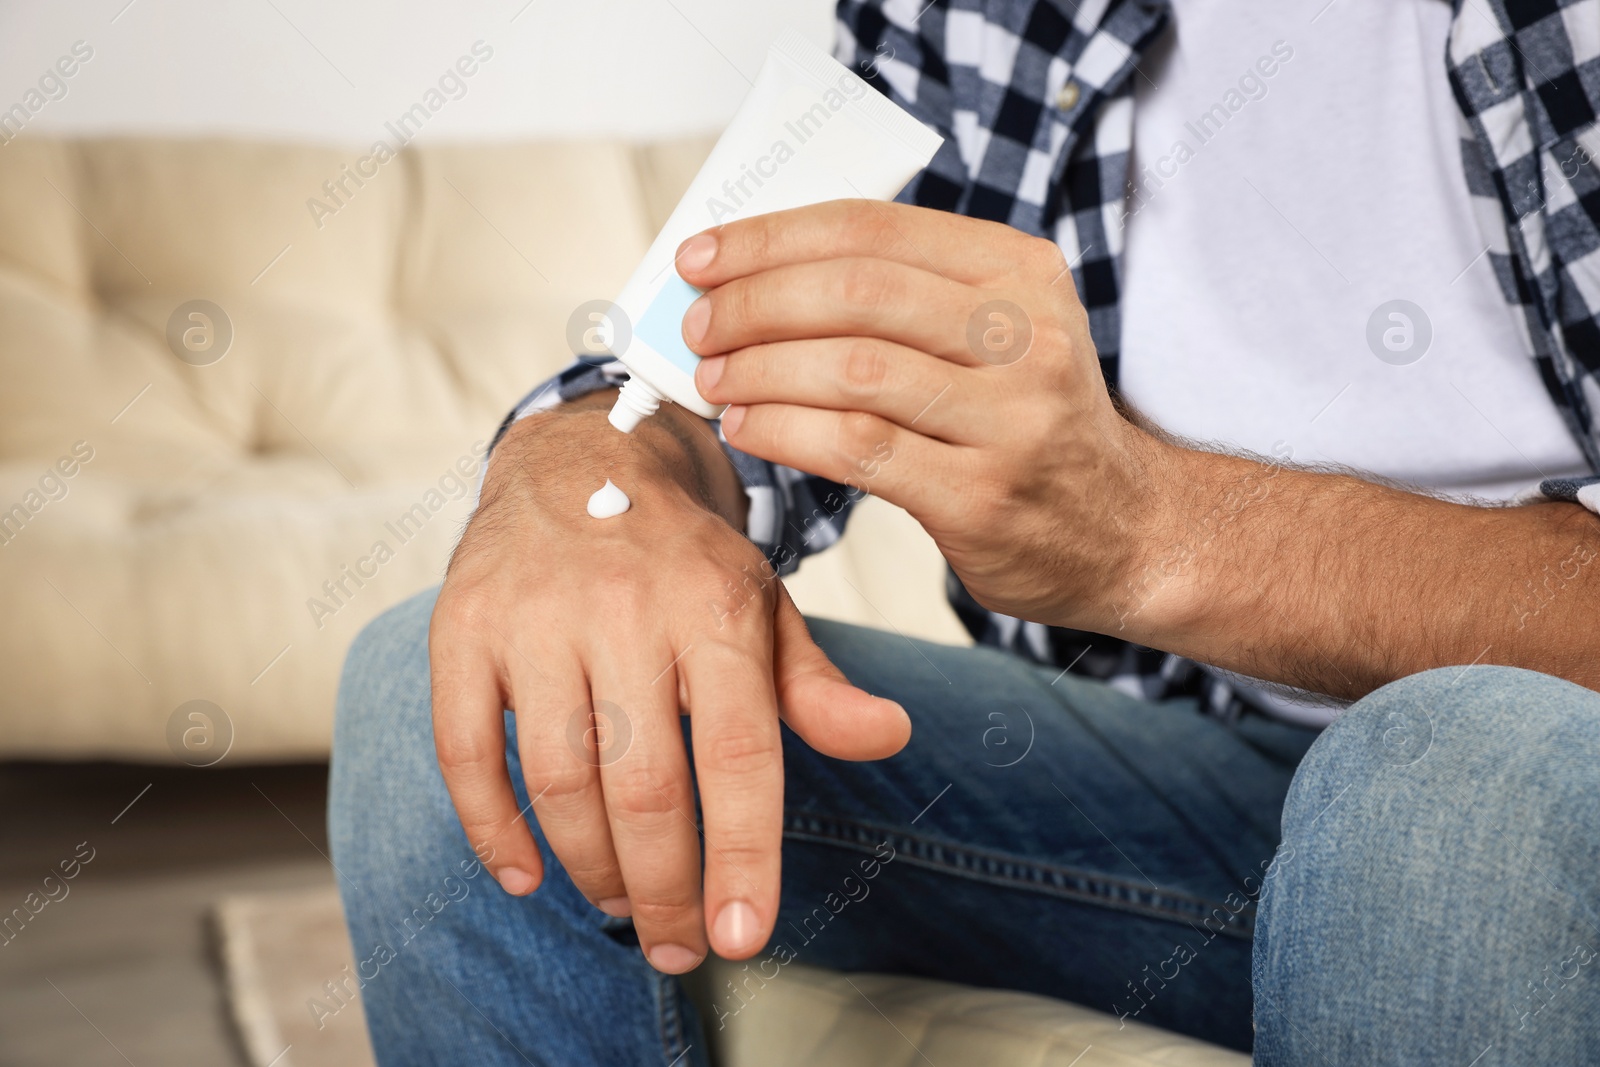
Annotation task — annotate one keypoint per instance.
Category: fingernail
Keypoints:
(735, 926)
(696, 319)
(673, 959)
(616, 907)
(711, 371)
(732, 417)
(514, 880)
(697, 252)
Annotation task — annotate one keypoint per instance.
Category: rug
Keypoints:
(290, 979)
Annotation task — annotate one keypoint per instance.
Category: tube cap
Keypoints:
(636, 401)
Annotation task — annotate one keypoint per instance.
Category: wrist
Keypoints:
(1171, 524)
(569, 451)
(1202, 512)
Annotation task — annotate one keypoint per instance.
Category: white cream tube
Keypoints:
(810, 130)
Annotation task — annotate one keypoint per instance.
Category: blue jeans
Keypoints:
(1417, 884)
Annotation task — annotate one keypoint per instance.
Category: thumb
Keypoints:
(814, 698)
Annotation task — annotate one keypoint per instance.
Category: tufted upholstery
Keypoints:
(371, 358)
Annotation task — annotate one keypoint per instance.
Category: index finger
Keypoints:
(738, 759)
(961, 249)
(469, 736)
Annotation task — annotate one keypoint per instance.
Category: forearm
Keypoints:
(676, 447)
(1337, 585)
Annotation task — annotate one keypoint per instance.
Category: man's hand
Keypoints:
(943, 363)
(665, 608)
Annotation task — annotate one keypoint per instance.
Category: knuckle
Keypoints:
(741, 851)
(568, 788)
(460, 611)
(461, 748)
(489, 835)
(866, 369)
(1045, 255)
(752, 370)
(592, 871)
(856, 213)
(869, 220)
(634, 794)
(859, 434)
(865, 284)
(741, 750)
(661, 907)
(622, 601)
(736, 304)
(752, 585)
(1060, 352)
(1055, 335)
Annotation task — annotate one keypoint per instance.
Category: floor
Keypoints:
(120, 967)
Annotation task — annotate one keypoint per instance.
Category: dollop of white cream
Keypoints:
(608, 500)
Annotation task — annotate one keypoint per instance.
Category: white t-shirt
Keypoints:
(1297, 169)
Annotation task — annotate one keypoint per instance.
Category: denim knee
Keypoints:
(1475, 743)
(386, 796)
(1436, 878)
(387, 660)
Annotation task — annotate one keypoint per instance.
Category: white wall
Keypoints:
(338, 69)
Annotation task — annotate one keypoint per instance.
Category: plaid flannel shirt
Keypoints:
(1035, 101)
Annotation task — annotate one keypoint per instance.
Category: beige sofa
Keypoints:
(205, 502)
(216, 538)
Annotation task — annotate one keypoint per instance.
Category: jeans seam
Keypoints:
(669, 1018)
(1009, 871)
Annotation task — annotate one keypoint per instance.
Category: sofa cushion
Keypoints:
(806, 1015)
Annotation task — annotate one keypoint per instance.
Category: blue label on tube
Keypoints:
(661, 326)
